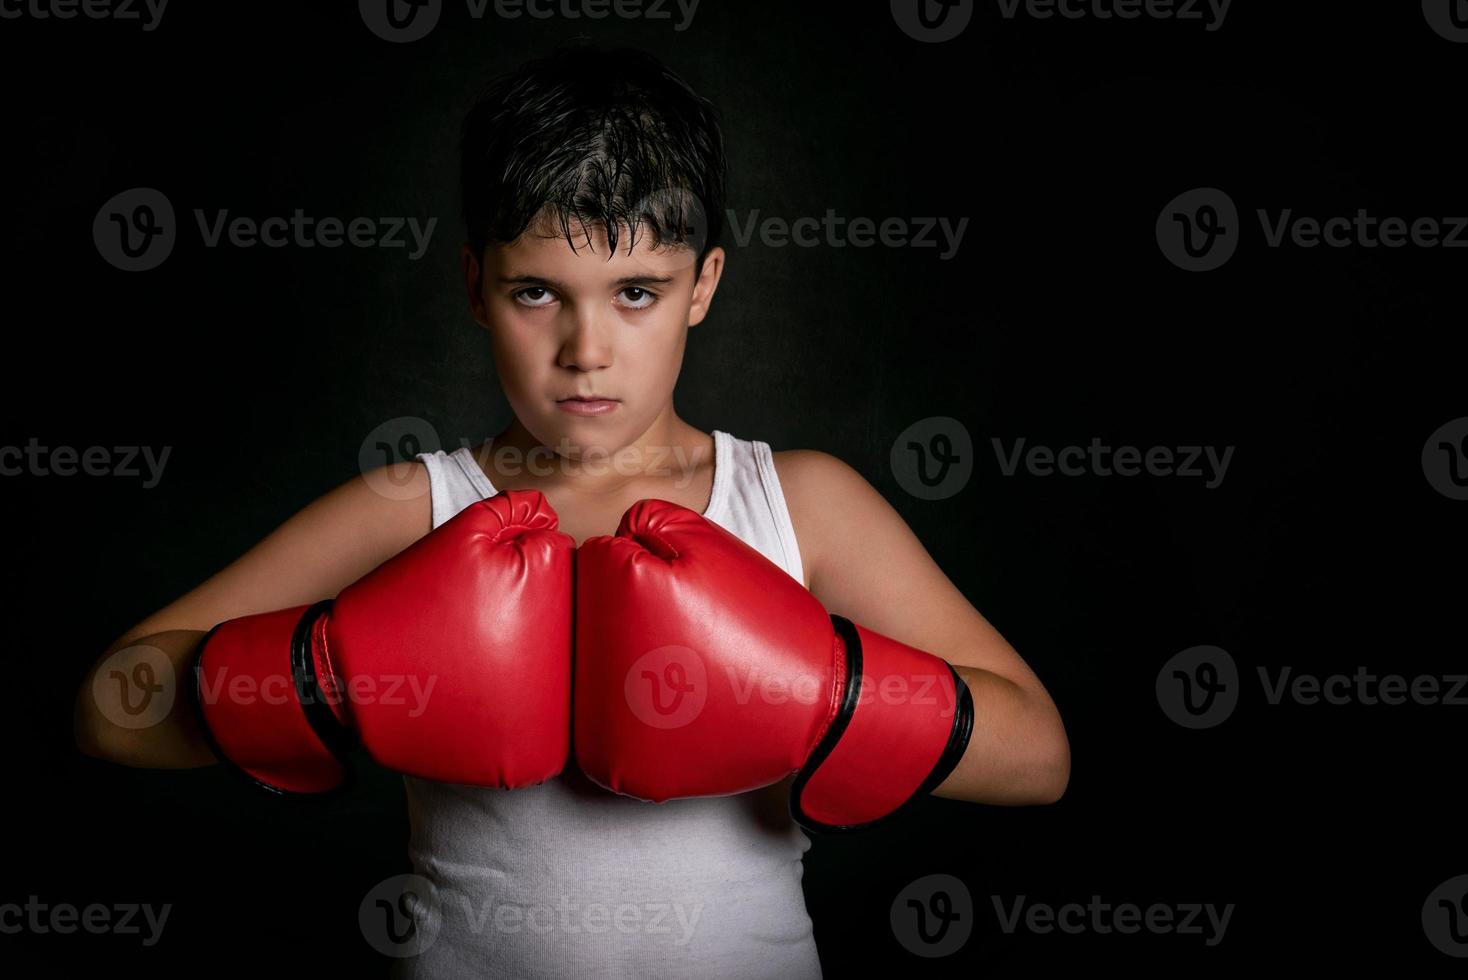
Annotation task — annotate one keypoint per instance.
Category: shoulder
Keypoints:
(391, 504)
(823, 486)
(805, 470)
(826, 497)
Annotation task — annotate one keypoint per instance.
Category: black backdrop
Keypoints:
(1326, 548)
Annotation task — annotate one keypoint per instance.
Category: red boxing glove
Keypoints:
(450, 661)
(704, 669)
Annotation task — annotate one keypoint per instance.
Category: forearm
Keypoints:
(1017, 753)
(135, 706)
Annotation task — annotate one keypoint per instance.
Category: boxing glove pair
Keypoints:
(701, 669)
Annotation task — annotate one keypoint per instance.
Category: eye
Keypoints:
(524, 297)
(641, 298)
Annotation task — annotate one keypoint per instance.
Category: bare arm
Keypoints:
(866, 564)
(131, 708)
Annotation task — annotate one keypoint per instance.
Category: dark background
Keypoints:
(1059, 320)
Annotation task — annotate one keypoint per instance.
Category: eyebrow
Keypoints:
(621, 283)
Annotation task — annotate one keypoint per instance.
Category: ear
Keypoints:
(474, 283)
(705, 286)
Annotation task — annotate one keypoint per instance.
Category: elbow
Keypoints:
(90, 729)
(89, 745)
(1050, 761)
(1055, 786)
(1046, 764)
(1057, 772)
(86, 733)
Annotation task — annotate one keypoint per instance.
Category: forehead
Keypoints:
(544, 248)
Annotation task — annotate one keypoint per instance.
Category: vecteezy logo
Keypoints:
(934, 458)
(400, 917)
(933, 916)
(1445, 917)
(1445, 459)
(932, 21)
(681, 216)
(1199, 687)
(398, 440)
(134, 688)
(667, 687)
(400, 21)
(1448, 18)
(1199, 230)
(136, 229)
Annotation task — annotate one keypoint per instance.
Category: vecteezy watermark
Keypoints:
(935, 915)
(834, 231)
(148, 13)
(668, 687)
(136, 688)
(1099, 459)
(403, 916)
(1200, 687)
(933, 458)
(34, 459)
(1199, 230)
(1210, 13)
(1102, 918)
(1445, 917)
(1445, 459)
(935, 21)
(1447, 18)
(218, 686)
(932, 21)
(1363, 687)
(387, 452)
(400, 916)
(64, 918)
(405, 21)
(136, 230)
(681, 219)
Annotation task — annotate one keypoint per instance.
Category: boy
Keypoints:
(593, 195)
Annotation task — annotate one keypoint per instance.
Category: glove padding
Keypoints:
(450, 661)
(704, 669)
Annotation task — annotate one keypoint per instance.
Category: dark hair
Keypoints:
(608, 138)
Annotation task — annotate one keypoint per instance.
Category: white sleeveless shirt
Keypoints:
(567, 879)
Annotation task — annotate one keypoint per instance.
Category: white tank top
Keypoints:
(566, 879)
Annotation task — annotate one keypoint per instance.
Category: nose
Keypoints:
(585, 347)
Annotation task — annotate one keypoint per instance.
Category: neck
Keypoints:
(669, 447)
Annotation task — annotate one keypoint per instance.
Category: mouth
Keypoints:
(587, 404)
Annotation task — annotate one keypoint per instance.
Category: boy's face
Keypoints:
(567, 322)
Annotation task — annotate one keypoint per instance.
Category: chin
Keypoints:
(573, 435)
